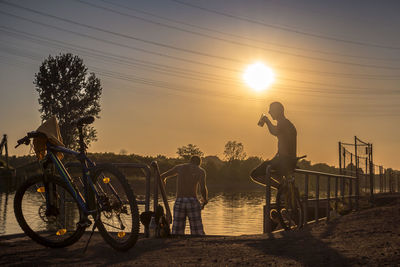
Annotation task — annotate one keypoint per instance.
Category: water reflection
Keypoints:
(3, 211)
(225, 214)
(230, 213)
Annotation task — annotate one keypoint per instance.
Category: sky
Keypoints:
(171, 72)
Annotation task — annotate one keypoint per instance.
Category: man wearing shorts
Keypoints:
(190, 176)
(285, 160)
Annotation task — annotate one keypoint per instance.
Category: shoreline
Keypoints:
(367, 237)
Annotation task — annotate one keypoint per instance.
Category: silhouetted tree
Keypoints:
(186, 152)
(234, 151)
(67, 91)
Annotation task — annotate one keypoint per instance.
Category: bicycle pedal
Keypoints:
(84, 223)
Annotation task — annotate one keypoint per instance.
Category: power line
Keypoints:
(184, 90)
(232, 42)
(334, 74)
(301, 90)
(174, 47)
(179, 72)
(287, 29)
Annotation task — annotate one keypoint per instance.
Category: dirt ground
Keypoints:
(370, 237)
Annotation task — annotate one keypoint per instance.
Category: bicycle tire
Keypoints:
(50, 228)
(293, 218)
(118, 201)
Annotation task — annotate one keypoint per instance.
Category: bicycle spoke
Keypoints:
(53, 223)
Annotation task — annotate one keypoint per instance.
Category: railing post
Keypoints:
(371, 172)
(357, 186)
(155, 189)
(390, 182)
(351, 194)
(267, 207)
(380, 179)
(383, 179)
(306, 199)
(328, 197)
(336, 191)
(357, 173)
(317, 199)
(398, 182)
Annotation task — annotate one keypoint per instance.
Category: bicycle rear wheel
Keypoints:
(53, 223)
(119, 215)
(288, 205)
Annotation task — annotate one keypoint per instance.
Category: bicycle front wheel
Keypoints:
(47, 212)
(119, 215)
(288, 205)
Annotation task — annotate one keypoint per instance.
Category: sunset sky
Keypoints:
(171, 71)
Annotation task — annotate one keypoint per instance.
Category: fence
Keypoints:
(333, 181)
(359, 179)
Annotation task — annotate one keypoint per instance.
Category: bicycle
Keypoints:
(54, 210)
(289, 208)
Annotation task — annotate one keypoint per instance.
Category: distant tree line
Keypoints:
(228, 174)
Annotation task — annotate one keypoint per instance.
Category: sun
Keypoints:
(258, 76)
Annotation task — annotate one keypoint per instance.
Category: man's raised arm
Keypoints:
(170, 173)
(272, 128)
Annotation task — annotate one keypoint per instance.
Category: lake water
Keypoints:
(225, 214)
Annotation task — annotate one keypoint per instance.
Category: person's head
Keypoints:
(195, 160)
(276, 110)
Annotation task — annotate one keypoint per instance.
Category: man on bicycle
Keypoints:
(190, 175)
(285, 160)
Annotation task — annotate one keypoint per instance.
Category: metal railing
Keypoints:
(317, 201)
(337, 188)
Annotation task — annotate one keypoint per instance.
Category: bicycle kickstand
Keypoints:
(91, 233)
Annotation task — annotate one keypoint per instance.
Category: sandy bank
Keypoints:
(368, 237)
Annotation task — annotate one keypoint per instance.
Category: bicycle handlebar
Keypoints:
(27, 139)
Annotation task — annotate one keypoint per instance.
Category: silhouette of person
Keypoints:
(190, 175)
(285, 159)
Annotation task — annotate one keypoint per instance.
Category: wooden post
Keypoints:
(6, 151)
(371, 172)
(366, 176)
(340, 157)
(357, 175)
(317, 200)
(155, 189)
(351, 182)
(267, 207)
(380, 180)
(384, 180)
(337, 179)
(398, 182)
(336, 191)
(306, 199)
(344, 172)
(328, 197)
(351, 164)
(351, 194)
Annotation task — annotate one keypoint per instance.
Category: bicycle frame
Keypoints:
(86, 164)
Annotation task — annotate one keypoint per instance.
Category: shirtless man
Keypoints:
(190, 176)
(285, 160)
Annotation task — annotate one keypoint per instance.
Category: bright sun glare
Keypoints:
(258, 76)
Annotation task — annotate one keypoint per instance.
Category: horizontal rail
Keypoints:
(324, 174)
